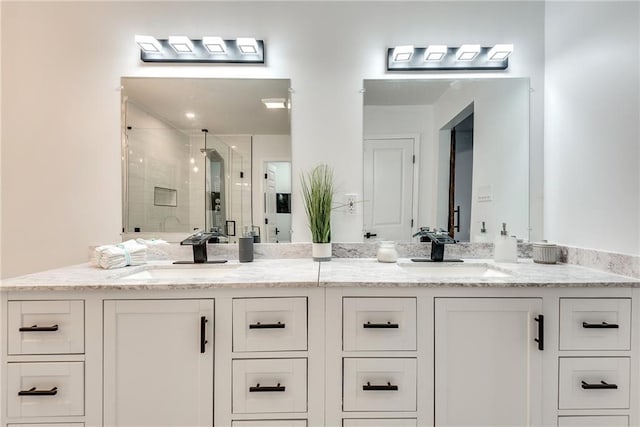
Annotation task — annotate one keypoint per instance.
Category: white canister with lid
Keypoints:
(545, 253)
(387, 252)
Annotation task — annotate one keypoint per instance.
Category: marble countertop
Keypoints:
(405, 273)
(339, 272)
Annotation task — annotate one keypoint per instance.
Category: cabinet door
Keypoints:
(158, 363)
(488, 368)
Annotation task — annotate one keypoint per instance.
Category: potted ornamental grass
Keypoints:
(318, 191)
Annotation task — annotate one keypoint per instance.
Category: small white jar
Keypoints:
(545, 253)
(387, 252)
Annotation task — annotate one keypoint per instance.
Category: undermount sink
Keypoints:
(187, 271)
(445, 270)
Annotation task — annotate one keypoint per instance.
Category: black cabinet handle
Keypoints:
(603, 325)
(387, 325)
(34, 392)
(602, 386)
(36, 328)
(259, 388)
(259, 325)
(540, 339)
(203, 333)
(387, 387)
(369, 235)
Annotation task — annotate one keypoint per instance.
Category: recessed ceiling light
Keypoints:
(402, 53)
(214, 44)
(467, 52)
(247, 45)
(500, 52)
(435, 52)
(181, 44)
(274, 103)
(148, 43)
(190, 115)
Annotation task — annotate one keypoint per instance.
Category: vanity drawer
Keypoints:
(594, 383)
(380, 422)
(595, 324)
(379, 324)
(379, 384)
(269, 324)
(45, 327)
(269, 385)
(594, 421)
(49, 389)
(270, 423)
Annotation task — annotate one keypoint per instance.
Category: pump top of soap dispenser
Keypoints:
(504, 232)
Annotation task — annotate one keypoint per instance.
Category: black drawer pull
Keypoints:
(36, 328)
(388, 387)
(259, 325)
(259, 388)
(203, 334)
(34, 392)
(602, 386)
(540, 339)
(387, 325)
(603, 325)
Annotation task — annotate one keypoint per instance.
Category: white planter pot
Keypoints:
(321, 251)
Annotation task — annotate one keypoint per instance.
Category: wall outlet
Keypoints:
(350, 202)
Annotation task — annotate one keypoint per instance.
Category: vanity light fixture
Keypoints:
(500, 52)
(148, 43)
(243, 50)
(402, 53)
(247, 45)
(467, 52)
(446, 58)
(274, 103)
(214, 44)
(181, 44)
(435, 52)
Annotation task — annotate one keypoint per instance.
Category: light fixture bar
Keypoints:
(205, 50)
(148, 43)
(402, 53)
(500, 52)
(214, 44)
(435, 52)
(449, 58)
(181, 44)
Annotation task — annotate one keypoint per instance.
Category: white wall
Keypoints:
(70, 94)
(592, 143)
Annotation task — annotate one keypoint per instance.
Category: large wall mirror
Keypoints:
(210, 154)
(451, 154)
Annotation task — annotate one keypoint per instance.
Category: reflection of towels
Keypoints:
(152, 242)
(120, 255)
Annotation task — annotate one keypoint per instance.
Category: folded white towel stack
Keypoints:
(120, 255)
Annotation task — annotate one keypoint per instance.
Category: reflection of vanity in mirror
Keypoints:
(451, 154)
(206, 154)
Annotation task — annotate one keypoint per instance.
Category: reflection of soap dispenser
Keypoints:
(483, 236)
(505, 247)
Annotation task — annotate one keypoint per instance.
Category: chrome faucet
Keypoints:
(198, 242)
(438, 239)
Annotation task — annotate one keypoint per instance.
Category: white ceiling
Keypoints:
(223, 106)
(404, 92)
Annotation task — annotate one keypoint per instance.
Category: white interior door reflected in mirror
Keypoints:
(389, 188)
(277, 202)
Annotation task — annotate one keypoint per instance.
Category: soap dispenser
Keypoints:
(483, 236)
(505, 248)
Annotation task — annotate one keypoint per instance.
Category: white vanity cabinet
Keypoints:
(158, 362)
(488, 364)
